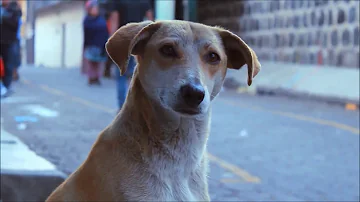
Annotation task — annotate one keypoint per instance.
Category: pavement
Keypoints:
(23, 172)
(261, 148)
(322, 83)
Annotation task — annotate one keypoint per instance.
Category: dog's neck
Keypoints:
(161, 134)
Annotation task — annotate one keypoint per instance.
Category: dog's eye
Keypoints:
(168, 51)
(213, 58)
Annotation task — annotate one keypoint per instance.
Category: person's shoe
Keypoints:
(7, 93)
(94, 81)
(3, 91)
(97, 82)
(107, 69)
(91, 82)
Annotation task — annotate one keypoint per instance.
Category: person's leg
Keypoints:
(84, 64)
(97, 71)
(17, 60)
(91, 71)
(107, 69)
(121, 87)
(122, 82)
(6, 52)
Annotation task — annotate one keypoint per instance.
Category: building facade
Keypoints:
(324, 32)
(29, 9)
(58, 39)
(59, 35)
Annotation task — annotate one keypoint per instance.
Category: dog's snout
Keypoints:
(192, 94)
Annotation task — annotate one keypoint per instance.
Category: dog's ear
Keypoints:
(239, 53)
(127, 40)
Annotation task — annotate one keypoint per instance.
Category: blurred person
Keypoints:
(17, 55)
(9, 23)
(123, 12)
(95, 37)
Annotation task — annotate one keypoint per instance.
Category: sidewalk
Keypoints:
(326, 83)
(25, 176)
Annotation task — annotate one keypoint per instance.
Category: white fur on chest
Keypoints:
(176, 176)
(184, 149)
(173, 188)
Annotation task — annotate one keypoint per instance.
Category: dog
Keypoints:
(155, 148)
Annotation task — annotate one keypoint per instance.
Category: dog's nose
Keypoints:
(192, 94)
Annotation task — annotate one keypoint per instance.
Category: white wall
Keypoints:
(74, 44)
(47, 42)
(48, 36)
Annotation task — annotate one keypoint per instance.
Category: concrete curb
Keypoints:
(22, 185)
(233, 84)
(25, 176)
(301, 81)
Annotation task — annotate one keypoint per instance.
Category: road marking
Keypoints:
(91, 104)
(16, 100)
(234, 169)
(55, 91)
(41, 110)
(52, 90)
(225, 165)
(230, 180)
(298, 117)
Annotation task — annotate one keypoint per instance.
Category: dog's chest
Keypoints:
(181, 152)
(178, 190)
(171, 189)
(175, 168)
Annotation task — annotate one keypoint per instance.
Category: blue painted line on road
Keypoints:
(294, 79)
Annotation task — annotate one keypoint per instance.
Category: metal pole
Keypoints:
(192, 4)
(165, 10)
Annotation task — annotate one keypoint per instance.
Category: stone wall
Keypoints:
(324, 32)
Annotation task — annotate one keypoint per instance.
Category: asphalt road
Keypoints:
(261, 148)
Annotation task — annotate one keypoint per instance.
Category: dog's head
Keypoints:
(182, 65)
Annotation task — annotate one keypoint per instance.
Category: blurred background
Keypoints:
(291, 136)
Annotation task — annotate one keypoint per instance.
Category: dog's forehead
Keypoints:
(188, 32)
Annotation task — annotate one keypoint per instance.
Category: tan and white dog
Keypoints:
(155, 149)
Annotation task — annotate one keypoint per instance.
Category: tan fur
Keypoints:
(151, 152)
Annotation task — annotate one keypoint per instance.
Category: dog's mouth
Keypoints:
(187, 111)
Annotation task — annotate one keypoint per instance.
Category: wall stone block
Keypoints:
(300, 31)
(352, 14)
(324, 40)
(341, 16)
(321, 19)
(356, 36)
(346, 37)
(334, 38)
(330, 19)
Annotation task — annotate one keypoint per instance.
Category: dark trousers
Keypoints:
(122, 81)
(16, 49)
(107, 68)
(5, 52)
